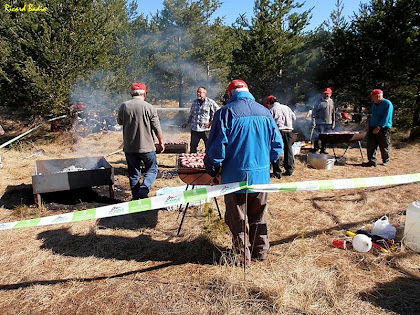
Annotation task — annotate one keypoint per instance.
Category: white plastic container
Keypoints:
(412, 226)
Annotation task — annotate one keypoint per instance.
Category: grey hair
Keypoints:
(138, 92)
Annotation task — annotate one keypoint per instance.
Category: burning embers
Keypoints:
(191, 160)
(66, 174)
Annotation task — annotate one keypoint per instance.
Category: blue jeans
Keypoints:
(140, 191)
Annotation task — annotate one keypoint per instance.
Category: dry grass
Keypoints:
(137, 264)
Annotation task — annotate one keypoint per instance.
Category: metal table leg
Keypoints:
(186, 208)
(185, 212)
(182, 220)
(361, 151)
(217, 205)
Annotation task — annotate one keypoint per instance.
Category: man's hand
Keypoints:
(376, 130)
(207, 125)
(184, 126)
(333, 125)
(160, 147)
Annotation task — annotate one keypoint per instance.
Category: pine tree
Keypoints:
(44, 53)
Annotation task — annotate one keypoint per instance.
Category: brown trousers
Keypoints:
(256, 235)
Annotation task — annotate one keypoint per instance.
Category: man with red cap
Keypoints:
(379, 132)
(323, 119)
(243, 140)
(140, 120)
(284, 118)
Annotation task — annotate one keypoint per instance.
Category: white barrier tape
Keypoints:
(334, 184)
(207, 192)
(134, 206)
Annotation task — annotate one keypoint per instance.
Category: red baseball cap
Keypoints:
(328, 90)
(376, 92)
(237, 84)
(138, 86)
(269, 98)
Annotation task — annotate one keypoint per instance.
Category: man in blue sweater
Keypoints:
(243, 140)
(379, 132)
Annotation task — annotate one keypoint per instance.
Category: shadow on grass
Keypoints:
(23, 285)
(400, 296)
(17, 195)
(75, 199)
(134, 221)
(141, 248)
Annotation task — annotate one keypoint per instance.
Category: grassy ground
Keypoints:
(137, 263)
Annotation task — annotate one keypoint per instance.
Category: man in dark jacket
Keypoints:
(139, 120)
(243, 140)
(323, 119)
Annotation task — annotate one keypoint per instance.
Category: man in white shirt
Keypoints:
(284, 118)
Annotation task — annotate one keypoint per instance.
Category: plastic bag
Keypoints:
(383, 228)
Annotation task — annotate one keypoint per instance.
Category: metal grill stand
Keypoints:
(334, 138)
(184, 212)
(193, 177)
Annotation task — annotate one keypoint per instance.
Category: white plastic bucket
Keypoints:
(412, 226)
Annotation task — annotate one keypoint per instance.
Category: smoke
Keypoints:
(303, 123)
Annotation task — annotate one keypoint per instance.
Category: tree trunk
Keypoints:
(415, 128)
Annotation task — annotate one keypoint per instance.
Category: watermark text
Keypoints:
(26, 8)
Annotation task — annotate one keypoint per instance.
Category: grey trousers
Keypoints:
(255, 234)
(381, 139)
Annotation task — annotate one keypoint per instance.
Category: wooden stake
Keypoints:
(246, 211)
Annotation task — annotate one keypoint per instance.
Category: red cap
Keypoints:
(269, 98)
(328, 90)
(376, 92)
(237, 84)
(138, 86)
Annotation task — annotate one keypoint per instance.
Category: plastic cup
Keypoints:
(339, 244)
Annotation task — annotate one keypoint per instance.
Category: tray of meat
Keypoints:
(191, 163)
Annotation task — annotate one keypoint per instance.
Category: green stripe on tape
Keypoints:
(139, 205)
(359, 182)
(243, 185)
(414, 177)
(288, 186)
(27, 223)
(83, 215)
(326, 185)
(195, 195)
(389, 180)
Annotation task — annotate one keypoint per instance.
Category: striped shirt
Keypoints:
(201, 113)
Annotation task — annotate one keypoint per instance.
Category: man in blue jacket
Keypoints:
(243, 140)
(379, 132)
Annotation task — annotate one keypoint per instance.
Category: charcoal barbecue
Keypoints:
(66, 174)
(174, 148)
(193, 177)
(347, 137)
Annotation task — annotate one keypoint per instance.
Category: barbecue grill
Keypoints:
(174, 148)
(348, 137)
(66, 174)
(193, 177)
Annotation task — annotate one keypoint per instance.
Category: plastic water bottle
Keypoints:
(412, 226)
